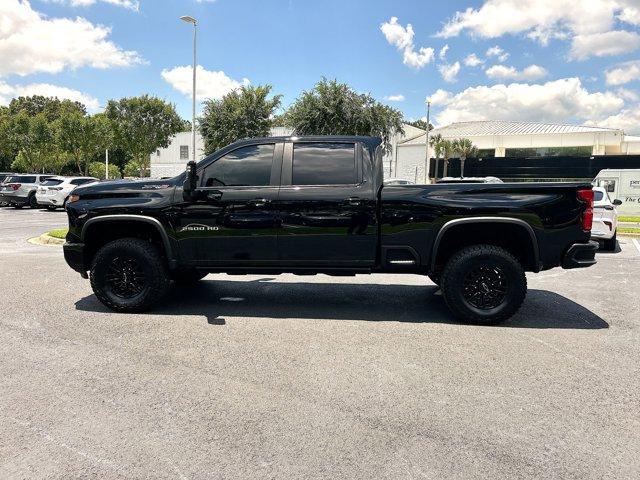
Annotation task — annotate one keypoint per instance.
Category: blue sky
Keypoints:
(572, 61)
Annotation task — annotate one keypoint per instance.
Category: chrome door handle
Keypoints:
(355, 201)
(214, 195)
(260, 202)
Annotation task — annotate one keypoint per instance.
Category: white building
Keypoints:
(171, 161)
(512, 139)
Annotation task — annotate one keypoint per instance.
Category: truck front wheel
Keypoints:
(129, 275)
(484, 284)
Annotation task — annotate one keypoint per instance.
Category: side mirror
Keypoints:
(617, 202)
(190, 181)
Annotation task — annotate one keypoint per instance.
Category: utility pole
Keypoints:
(426, 142)
(194, 22)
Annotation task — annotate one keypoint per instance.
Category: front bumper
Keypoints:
(580, 255)
(74, 255)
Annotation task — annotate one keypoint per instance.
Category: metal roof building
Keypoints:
(514, 139)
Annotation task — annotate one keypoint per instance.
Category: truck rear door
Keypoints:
(326, 205)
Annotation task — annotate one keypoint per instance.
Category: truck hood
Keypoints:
(120, 187)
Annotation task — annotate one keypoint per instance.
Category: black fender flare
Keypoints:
(166, 242)
(464, 221)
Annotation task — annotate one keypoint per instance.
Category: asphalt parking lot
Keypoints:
(314, 377)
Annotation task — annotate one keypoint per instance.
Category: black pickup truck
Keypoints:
(308, 205)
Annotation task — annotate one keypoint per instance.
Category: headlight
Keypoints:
(73, 198)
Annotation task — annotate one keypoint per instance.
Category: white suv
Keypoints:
(19, 190)
(605, 218)
(53, 192)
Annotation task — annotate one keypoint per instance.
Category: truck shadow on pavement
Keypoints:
(263, 298)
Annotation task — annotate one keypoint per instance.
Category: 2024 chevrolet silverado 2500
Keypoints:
(308, 205)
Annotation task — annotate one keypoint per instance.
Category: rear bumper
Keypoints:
(580, 255)
(74, 255)
(13, 199)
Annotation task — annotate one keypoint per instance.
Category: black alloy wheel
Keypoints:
(485, 287)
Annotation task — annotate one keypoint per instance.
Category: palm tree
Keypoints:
(464, 148)
(434, 142)
(447, 151)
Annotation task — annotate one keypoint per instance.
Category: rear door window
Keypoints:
(52, 182)
(21, 179)
(324, 164)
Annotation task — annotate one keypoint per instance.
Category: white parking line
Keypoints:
(637, 244)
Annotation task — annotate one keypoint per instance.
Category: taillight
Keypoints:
(586, 196)
(14, 186)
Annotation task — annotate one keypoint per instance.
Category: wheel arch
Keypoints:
(532, 259)
(134, 224)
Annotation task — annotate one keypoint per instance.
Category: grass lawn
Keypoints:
(629, 230)
(60, 233)
(628, 218)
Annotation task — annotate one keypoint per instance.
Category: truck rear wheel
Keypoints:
(484, 284)
(129, 275)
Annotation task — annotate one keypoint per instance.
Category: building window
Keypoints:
(184, 152)
(157, 153)
(549, 152)
(486, 153)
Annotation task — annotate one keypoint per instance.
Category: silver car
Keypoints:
(20, 190)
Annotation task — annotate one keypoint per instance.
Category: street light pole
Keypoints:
(426, 160)
(106, 164)
(194, 22)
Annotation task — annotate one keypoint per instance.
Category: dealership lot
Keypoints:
(314, 377)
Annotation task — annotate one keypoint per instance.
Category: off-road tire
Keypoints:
(187, 277)
(463, 263)
(151, 262)
(610, 244)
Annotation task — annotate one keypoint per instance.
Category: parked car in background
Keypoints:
(398, 181)
(3, 176)
(605, 218)
(470, 180)
(53, 192)
(20, 190)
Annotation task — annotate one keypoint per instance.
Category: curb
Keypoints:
(47, 240)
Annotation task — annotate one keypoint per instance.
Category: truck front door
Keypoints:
(326, 205)
(233, 220)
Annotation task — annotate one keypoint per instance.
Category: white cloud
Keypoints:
(623, 73)
(563, 100)
(604, 44)
(395, 98)
(30, 43)
(627, 119)
(542, 20)
(449, 72)
(130, 4)
(630, 95)
(472, 60)
(210, 84)
(440, 97)
(443, 52)
(402, 38)
(7, 92)
(498, 53)
(532, 72)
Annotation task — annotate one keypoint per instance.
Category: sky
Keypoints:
(564, 61)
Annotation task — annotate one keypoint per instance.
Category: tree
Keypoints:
(464, 148)
(97, 170)
(6, 148)
(142, 125)
(52, 107)
(420, 124)
(35, 138)
(83, 137)
(242, 113)
(333, 108)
